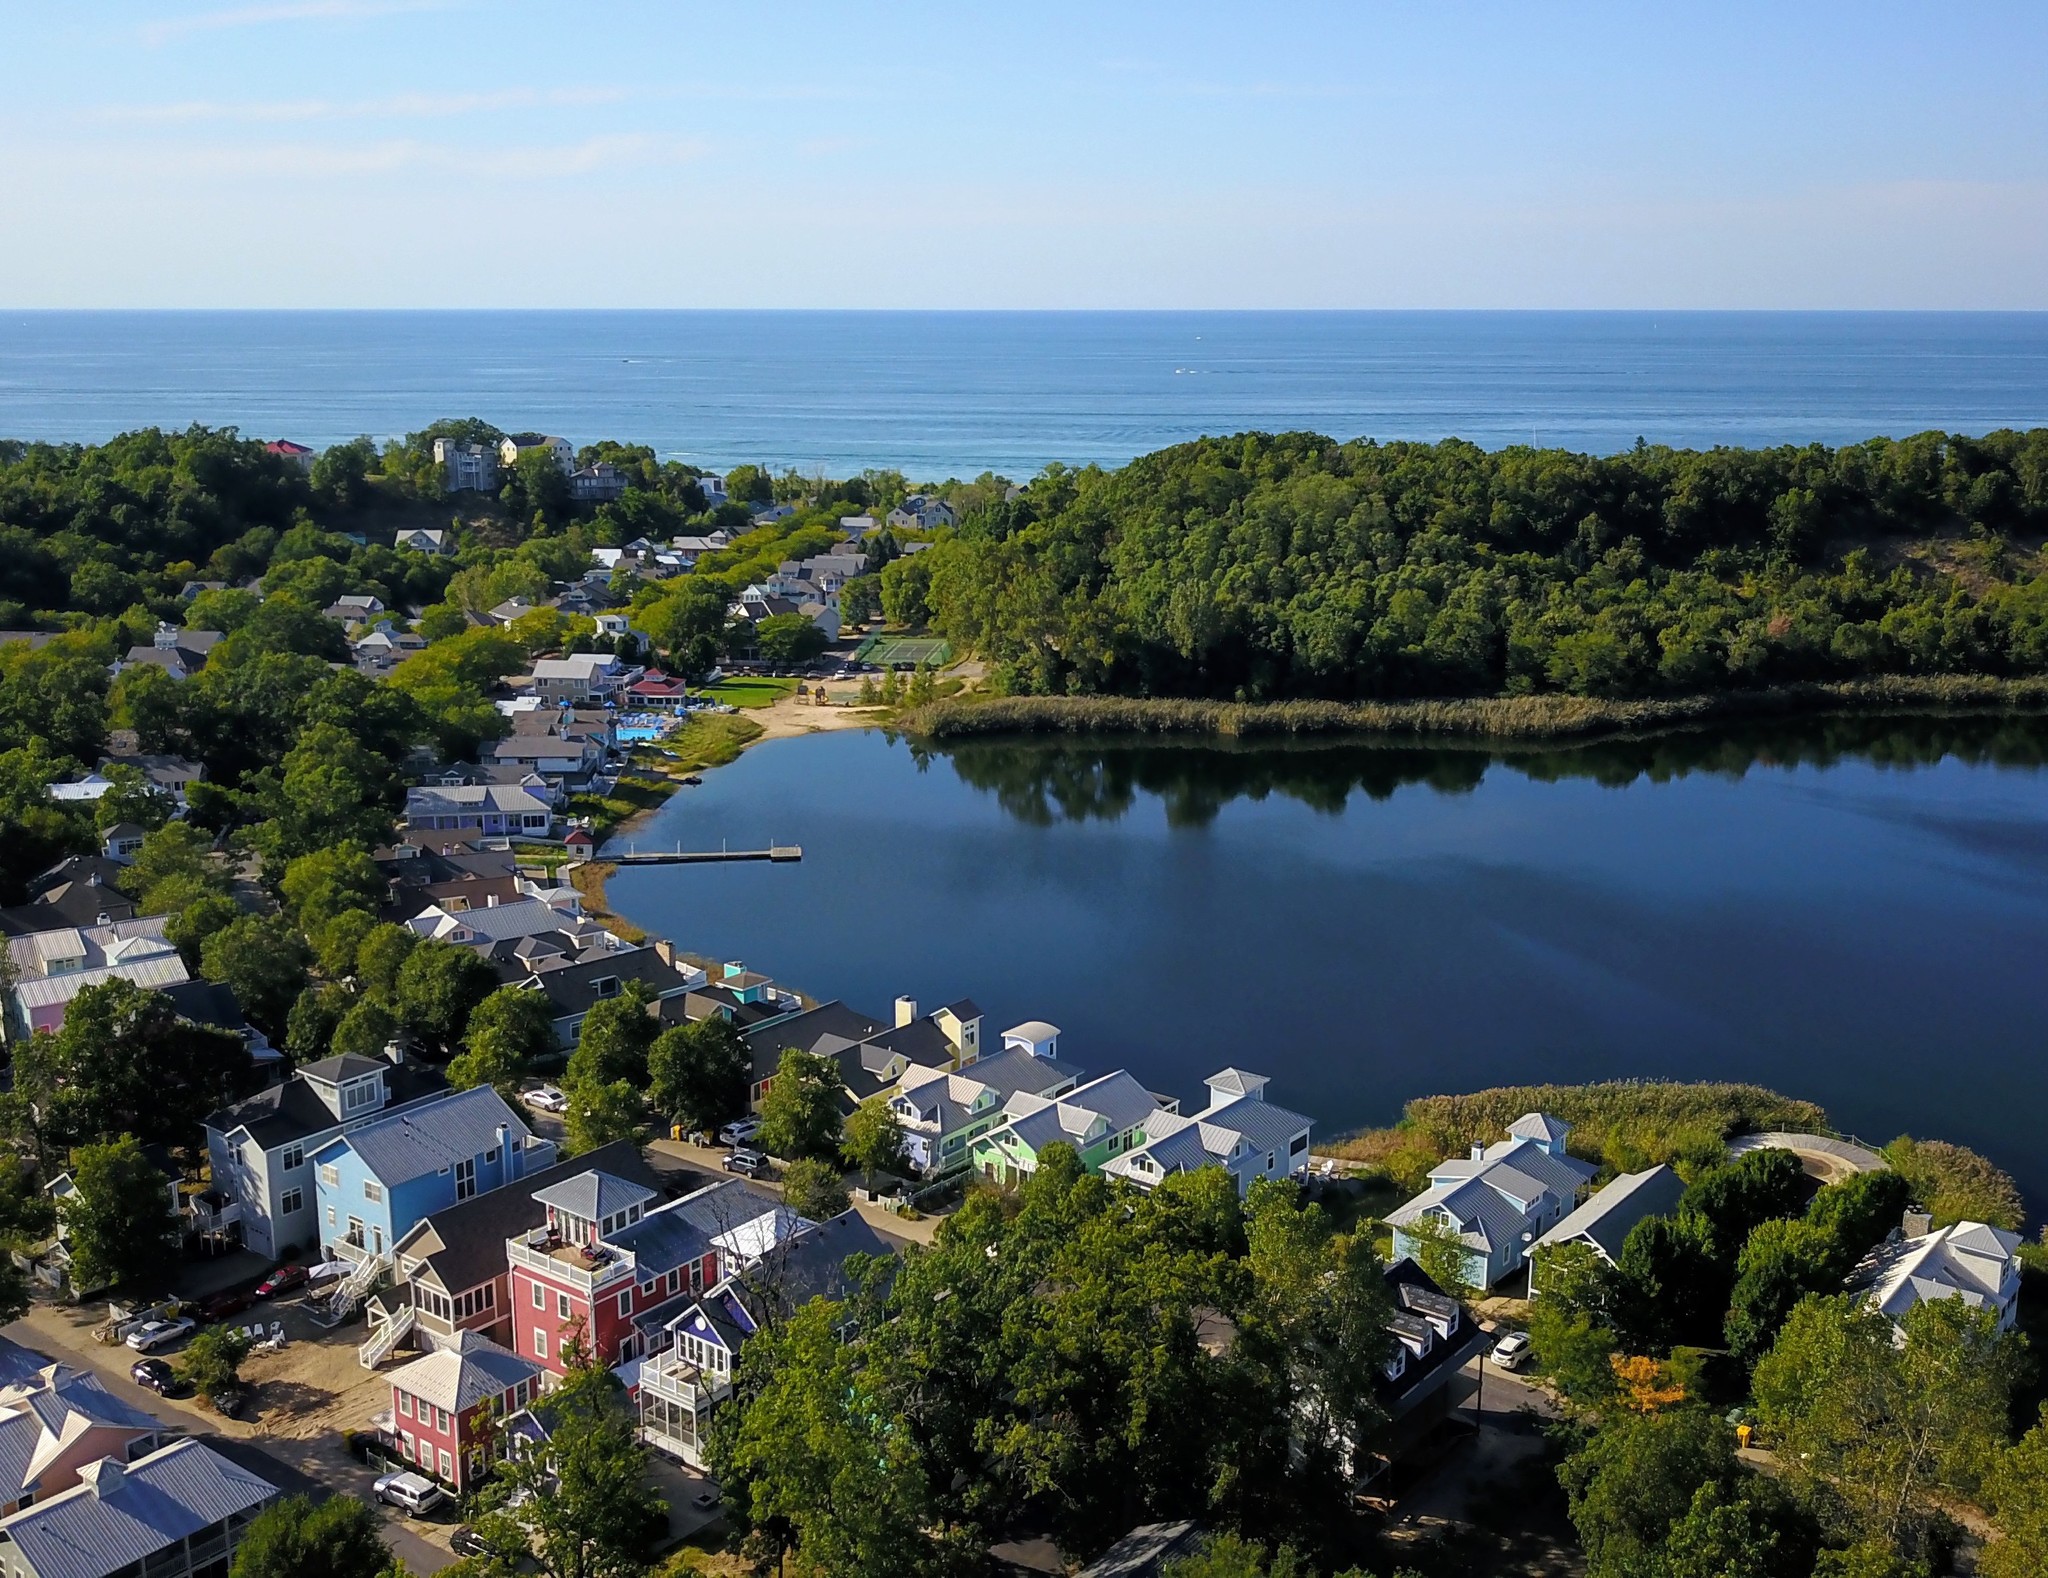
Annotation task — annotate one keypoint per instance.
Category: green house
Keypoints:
(1101, 1119)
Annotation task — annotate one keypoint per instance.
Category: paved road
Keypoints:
(318, 1469)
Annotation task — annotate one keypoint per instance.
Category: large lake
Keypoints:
(1853, 913)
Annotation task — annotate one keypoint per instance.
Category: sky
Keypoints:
(1041, 154)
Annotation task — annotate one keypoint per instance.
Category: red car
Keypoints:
(282, 1280)
(220, 1306)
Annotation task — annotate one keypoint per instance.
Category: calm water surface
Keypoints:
(1851, 913)
(955, 393)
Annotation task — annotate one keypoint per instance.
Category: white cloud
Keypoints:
(290, 11)
(399, 106)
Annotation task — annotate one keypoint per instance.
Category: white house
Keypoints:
(432, 540)
(921, 512)
(596, 678)
(1602, 1224)
(495, 810)
(1502, 1198)
(1971, 1261)
(559, 450)
(1239, 1131)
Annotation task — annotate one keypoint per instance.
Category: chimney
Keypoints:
(1478, 1151)
(1916, 1224)
(104, 1477)
(906, 1011)
(502, 1136)
(394, 1049)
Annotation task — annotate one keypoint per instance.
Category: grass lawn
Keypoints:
(751, 691)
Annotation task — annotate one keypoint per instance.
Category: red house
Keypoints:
(580, 841)
(616, 1270)
(442, 1405)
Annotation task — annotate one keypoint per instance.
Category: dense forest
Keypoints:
(1266, 566)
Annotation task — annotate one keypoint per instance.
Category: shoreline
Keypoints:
(1528, 721)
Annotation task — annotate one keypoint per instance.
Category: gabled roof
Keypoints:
(291, 1111)
(123, 1514)
(594, 1195)
(470, 1371)
(1966, 1260)
(410, 1145)
(1604, 1220)
(1540, 1126)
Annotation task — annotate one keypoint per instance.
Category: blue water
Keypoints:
(940, 394)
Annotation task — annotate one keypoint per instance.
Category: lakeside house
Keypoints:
(1239, 1130)
(446, 1404)
(1603, 1223)
(492, 810)
(1971, 1261)
(1501, 1198)
(942, 1111)
(559, 450)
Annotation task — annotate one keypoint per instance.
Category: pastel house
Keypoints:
(1501, 1198)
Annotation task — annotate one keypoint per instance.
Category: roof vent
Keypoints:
(103, 1478)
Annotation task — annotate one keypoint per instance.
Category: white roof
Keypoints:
(1972, 1261)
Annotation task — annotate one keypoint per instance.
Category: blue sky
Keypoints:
(1044, 154)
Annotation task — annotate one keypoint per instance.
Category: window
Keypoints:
(562, 1305)
(540, 1343)
(405, 1444)
(373, 1192)
(294, 1200)
(465, 1178)
(1270, 1160)
(540, 1301)
(674, 1279)
(447, 1465)
(293, 1159)
(490, 1155)
(330, 1216)
(405, 1405)
(361, 1094)
(441, 1420)
(330, 1175)
(625, 1304)
(605, 986)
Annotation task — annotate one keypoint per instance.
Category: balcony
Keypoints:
(680, 1382)
(571, 1264)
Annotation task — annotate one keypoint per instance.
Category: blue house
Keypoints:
(374, 1184)
(1499, 1200)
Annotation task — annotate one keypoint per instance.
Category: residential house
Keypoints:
(444, 1407)
(559, 450)
(79, 891)
(470, 468)
(298, 454)
(451, 1273)
(433, 540)
(941, 1111)
(1421, 1381)
(356, 608)
(1100, 1119)
(1602, 1224)
(55, 1421)
(1501, 1198)
(1239, 1131)
(922, 512)
(597, 484)
(179, 653)
(1971, 1261)
(261, 1147)
(123, 841)
(656, 692)
(766, 514)
(872, 1056)
(611, 1266)
(372, 1184)
(52, 967)
(178, 1512)
(493, 810)
(574, 981)
(688, 1373)
(192, 589)
(173, 776)
(552, 756)
(712, 485)
(859, 526)
(571, 723)
(485, 927)
(592, 678)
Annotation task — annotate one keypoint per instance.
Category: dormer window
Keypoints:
(358, 1094)
(605, 986)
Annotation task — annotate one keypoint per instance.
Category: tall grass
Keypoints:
(1486, 718)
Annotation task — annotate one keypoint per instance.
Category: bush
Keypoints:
(1954, 1184)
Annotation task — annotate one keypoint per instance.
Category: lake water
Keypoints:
(1851, 913)
(940, 394)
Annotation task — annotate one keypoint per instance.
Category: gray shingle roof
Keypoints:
(412, 1144)
(1605, 1219)
(137, 1510)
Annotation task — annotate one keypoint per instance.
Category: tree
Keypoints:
(365, 1029)
(613, 1042)
(874, 1139)
(335, 1537)
(125, 1063)
(789, 638)
(800, 1113)
(688, 626)
(176, 856)
(212, 1362)
(507, 1032)
(1637, 1477)
(600, 1113)
(334, 790)
(814, 1189)
(322, 885)
(263, 961)
(117, 1220)
(2016, 1491)
(1876, 1422)
(1732, 1200)
(585, 1508)
(1443, 1255)
(1751, 1532)
(40, 832)
(1574, 1350)
(380, 957)
(906, 590)
(699, 1074)
(438, 986)
(817, 1460)
(1669, 1288)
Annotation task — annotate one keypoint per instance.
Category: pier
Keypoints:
(694, 857)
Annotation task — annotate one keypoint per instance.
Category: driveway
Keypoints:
(667, 1154)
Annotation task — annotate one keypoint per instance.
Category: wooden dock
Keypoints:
(697, 857)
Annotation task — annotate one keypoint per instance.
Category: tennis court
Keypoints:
(905, 651)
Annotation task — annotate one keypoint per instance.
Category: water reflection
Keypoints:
(1040, 782)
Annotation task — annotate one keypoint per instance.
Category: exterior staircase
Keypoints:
(355, 1287)
(378, 1346)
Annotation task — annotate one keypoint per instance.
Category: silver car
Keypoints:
(410, 1492)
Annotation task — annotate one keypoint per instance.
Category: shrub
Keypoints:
(1954, 1184)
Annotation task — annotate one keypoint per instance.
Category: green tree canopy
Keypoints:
(699, 1074)
(117, 1219)
(800, 1113)
(335, 1537)
(874, 1139)
(814, 1189)
(614, 1040)
(507, 1033)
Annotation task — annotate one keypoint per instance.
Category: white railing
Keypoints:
(386, 1337)
(616, 1267)
(355, 1287)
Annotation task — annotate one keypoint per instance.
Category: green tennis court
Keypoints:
(905, 651)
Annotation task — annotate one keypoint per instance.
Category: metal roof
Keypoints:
(122, 1514)
(1604, 1221)
(410, 1145)
(459, 1378)
(593, 1196)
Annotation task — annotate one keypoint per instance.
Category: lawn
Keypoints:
(751, 691)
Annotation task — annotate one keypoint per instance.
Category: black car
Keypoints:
(465, 1541)
(154, 1375)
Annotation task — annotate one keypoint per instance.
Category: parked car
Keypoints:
(1512, 1351)
(282, 1280)
(410, 1492)
(465, 1541)
(155, 1334)
(219, 1306)
(742, 1160)
(739, 1131)
(546, 1099)
(153, 1375)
